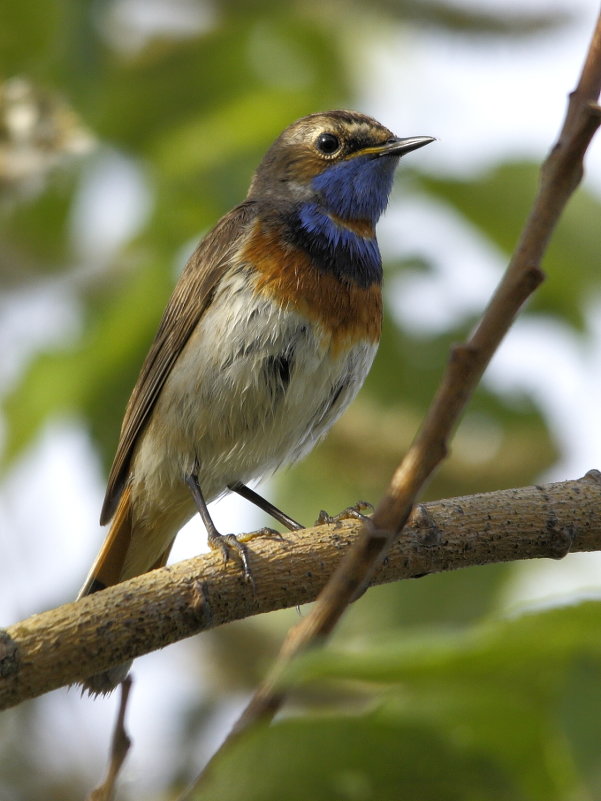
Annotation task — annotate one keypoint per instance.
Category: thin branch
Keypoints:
(66, 644)
(561, 173)
(120, 746)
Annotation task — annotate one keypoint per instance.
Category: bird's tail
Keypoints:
(110, 568)
(108, 565)
(116, 557)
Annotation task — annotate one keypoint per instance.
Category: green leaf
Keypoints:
(524, 692)
(532, 646)
(353, 759)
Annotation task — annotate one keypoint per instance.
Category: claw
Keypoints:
(268, 533)
(225, 543)
(355, 512)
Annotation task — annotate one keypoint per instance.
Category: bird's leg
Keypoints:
(265, 505)
(351, 512)
(355, 512)
(217, 541)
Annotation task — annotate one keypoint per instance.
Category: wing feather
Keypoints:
(191, 297)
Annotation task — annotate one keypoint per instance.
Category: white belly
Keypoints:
(255, 387)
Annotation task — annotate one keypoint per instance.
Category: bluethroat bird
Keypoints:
(267, 338)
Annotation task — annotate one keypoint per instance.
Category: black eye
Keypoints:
(328, 143)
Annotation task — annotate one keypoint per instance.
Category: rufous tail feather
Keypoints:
(107, 570)
(108, 565)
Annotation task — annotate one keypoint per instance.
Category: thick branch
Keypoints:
(79, 639)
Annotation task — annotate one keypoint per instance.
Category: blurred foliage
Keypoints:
(499, 203)
(191, 103)
(493, 712)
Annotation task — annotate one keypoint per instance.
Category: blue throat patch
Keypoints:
(337, 249)
(356, 189)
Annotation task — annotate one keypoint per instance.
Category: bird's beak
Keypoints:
(398, 147)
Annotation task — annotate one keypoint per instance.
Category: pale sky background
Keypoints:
(484, 102)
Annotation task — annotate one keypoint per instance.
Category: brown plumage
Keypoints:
(266, 339)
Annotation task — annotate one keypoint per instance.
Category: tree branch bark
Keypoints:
(66, 644)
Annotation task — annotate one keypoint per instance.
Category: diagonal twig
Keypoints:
(120, 746)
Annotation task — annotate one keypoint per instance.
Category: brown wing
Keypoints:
(188, 302)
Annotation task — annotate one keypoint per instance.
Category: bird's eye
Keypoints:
(327, 143)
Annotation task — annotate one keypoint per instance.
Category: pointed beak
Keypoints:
(399, 147)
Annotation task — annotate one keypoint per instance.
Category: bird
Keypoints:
(268, 336)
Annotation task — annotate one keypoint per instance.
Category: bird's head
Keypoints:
(342, 160)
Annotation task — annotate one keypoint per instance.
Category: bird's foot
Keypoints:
(355, 512)
(268, 533)
(226, 543)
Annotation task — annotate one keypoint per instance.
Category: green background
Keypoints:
(426, 692)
